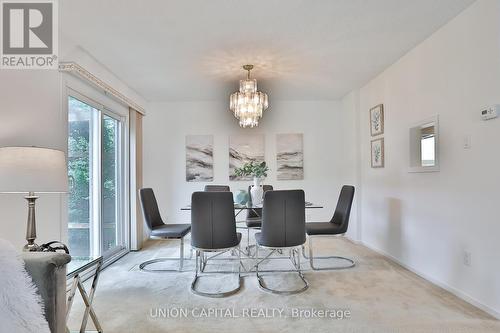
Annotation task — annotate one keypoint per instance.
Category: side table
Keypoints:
(75, 270)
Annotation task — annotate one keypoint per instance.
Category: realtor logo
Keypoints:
(29, 34)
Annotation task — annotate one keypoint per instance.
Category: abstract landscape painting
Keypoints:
(290, 156)
(244, 149)
(199, 158)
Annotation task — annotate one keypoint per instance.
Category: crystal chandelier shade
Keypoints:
(248, 104)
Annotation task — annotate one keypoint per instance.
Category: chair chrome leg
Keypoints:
(239, 263)
(181, 255)
(298, 260)
(249, 246)
(248, 241)
(311, 259)
(143, 266)
(197, 257)
(263, 286)
(257, 256)
(203, 263)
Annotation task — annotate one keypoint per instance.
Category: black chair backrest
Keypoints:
(213, 224)
(343, 210)
(283, 219)
(256, 212)
(217, 188)
(150, 208)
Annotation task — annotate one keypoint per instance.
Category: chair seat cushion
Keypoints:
(171, 230)
(323, 228)
(254, 222)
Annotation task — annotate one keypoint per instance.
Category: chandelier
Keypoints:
(248, 104)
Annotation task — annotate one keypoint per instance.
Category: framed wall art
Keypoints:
(377, 153)
(377, 120)
(199, 158)
(244, 149)
(290, 156)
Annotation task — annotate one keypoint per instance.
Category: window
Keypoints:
(96, 222)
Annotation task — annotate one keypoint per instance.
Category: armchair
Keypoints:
(48, 272)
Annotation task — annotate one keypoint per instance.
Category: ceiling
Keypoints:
(190, 50)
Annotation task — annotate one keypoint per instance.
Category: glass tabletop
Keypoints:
(309, 205)
(79, 264)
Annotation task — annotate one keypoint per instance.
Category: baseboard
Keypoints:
(437, 283)
(355, 241)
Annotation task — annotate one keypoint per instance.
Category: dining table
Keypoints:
(255, 208)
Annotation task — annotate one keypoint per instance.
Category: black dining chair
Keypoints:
(337, 226)
(213, 229)
(158, 229)
(283, 228)
(217, 188)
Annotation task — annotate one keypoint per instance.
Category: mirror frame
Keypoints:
(414, 148)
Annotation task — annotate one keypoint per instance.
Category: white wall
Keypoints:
(326, 146)
(71, 51)
(350, 159)
(427, 220)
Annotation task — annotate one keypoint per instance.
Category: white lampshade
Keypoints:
(31, 169)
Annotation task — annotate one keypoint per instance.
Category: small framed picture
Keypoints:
(377, 120)
(377, 151)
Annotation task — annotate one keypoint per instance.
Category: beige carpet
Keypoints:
(379, 295)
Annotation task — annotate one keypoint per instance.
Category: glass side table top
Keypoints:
(80, 264)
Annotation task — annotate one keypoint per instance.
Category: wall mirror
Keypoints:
(424, 146)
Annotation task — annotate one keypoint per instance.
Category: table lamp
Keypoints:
(32, 170)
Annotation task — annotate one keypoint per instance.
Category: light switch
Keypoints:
(467, 142)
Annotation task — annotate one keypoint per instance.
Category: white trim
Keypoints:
(76, 69)
(96, 180)
(125, 184)
(95, 95)
(460, 294)
(136, 231)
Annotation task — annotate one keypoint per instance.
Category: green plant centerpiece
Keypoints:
(254, 169)
(258, 171)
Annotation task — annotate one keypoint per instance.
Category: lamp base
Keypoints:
(32, 248)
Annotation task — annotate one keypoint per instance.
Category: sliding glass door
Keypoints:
(110, 183)
(81, 145)
(96, 224)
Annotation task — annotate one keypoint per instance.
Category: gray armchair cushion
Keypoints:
(48, 271)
